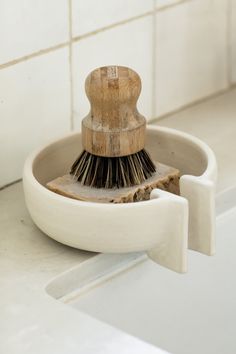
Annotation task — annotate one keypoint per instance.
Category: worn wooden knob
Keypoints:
(113, 127)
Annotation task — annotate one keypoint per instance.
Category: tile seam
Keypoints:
(10, 184)
(175, 4)
(128, 20)
(193, 103)
(34, 55)
(86, 35)
(228, 42)
(154, 47)
(114, 25)
(70, 66)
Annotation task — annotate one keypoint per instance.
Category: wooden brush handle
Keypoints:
(113, 126)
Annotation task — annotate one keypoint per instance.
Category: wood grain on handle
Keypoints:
(113, 127)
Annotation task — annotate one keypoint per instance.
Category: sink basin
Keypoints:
(182, 314)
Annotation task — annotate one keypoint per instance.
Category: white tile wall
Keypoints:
(233, 40)
(34, 108)
(191, 53)
(128, 45)
(91, 15)
(190, 61)
(27, 26)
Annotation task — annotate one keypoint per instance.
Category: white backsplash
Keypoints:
(184, 50)
(191, 57)
(91, 15)
(160, 4)
(28, 26)
(123, 45)
(35, 108)
(232, 47)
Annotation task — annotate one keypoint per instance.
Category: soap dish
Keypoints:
(164, 226)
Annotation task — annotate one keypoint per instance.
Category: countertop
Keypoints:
(32, 321)
(213, 121)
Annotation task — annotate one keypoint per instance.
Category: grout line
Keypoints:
(34, 55)
(114, 25)
(153, 110)
(128, 20)
(70, 67)
(228, 42)
(192, 104)
(156, 11)
(72, 39)
(89, 34)
(168, 6)
(10, 184)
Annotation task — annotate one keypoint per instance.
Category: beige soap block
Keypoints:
(166, 178)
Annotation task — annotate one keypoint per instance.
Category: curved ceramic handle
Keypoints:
(200, 193)
(171, 251)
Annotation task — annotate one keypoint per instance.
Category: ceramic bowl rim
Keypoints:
(28, 175)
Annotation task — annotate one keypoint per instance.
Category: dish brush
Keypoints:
(113, 133)
(114, 165)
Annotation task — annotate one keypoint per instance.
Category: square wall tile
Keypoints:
(27, 26)
(191, 59)
(34, 108)
(128, 45)
(233, 40)
(90, 15)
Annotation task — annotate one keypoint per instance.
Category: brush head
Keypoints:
(113, 172)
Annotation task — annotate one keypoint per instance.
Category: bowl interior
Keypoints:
(171, 149)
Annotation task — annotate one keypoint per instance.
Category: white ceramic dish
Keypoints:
(165, 226)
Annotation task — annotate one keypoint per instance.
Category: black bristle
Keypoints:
(113, 172)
